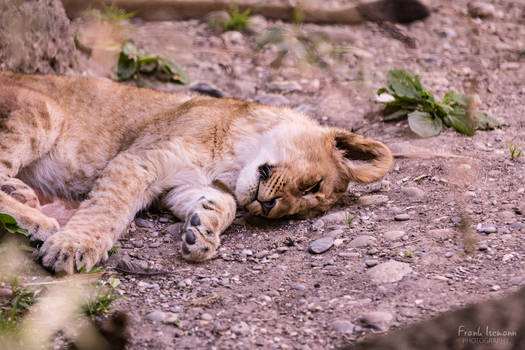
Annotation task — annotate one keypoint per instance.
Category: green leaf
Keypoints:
(9, 224)
(127, 67)
(404, 85)
(424, 124)
(396, 115)
(486, 122)
(459, 122)
(113, 282)
(172, 71)
(130, 49)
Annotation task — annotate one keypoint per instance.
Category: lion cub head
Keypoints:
(302, 168)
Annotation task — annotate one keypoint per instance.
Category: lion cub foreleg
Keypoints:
(127, 184)
(207, 212)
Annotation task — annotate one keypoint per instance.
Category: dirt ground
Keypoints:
(265, 289)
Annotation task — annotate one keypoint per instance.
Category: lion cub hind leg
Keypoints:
(126, 186)
(208, 212)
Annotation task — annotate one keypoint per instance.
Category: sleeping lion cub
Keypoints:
(115, 148)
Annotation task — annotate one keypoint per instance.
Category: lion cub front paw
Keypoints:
(70, 252)
(199, 240)
(21, 192)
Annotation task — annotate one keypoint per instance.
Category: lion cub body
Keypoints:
(116, 147)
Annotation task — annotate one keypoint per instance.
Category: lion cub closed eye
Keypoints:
(116, 148)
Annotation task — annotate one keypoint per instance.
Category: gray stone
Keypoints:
(335, 233)
(382, 319)
(448, 255)
(6, 293)
(362, 241)
(370, 262)
(516, 281)
(487, 228)
(481, 9)
(299, 286)
(413, 192)
(241, 329)
(372, 251)
(206, 317)
(402, 217)
(495, 288)
(375, 199)
(247, 252)
(483, 247)
(448, 33)
(388, 272)
(358, 329)
(335, 217)
(284, 86)
(342, 326)
(164, 219)
(155, 245)
(174, 229)
(321, 245)
(272, 100)
(170, 318)
(317, 225)
(138, 243)
(282, 249)
(143, 223)
(393, 235)
(156, 315)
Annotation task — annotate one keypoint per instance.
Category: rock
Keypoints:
(284, 86)
(393, 235)
(520, 210)
(206, 317)
(402, 217)
(358, 329)
(495, 288)
(164, 220)
(321, 245)
(448, 255)
(258, 23)
(143, 223)
(447, 33)
(373, 199)
(362, 241)
(370, 262)
(208, 89)
(174, 229)
(155, 245)
(138, 243)
(156, 316)
(388, 272)
(481, 9)
(247, 252)
(335, 233)
(272, 99)
(317, 225)
(233, 37)
(342, 326)
(170, 318)
(299, 286)
(516, 281)
(455, 220)
(377, 319)
(413, 192)
(372, 251)
(335, 217)
(5, 293)
(487, 228)
(241, 329)
(281, 250)
(217, 17)
(507, 257)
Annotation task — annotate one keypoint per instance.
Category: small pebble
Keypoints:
(321, 245)
(143, 223)
(156, 315)
(342, 326)
(495, 288)
(282, 249)
(372, 251)
(487, 228)
(206, 317)
(483, 247)
(448, 255)
(371, 262)
(155, 245)
(358, 329)
(402, 217)
(455, 220)
(317, 225)
(164, 220)
(139, 243)
(299, 286)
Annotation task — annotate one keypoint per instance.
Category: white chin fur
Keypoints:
(246, 186)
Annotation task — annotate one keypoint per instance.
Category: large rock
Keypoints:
(391, 271)
(35, 37)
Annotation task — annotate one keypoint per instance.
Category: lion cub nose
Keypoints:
(267, 206)
(189, 237)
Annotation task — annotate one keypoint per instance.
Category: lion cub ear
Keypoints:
(361, 159)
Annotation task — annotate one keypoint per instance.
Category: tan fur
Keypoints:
(117, 147)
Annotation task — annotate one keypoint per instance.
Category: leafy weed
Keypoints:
(426, 115)
(101, 297)
(515, 151)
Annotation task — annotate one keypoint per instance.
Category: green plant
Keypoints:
(101, 297)
(515, 151)
(133, 61)
(426, 116)
(110, 13)
(12, 310)
(113, 250)
(349, 218)
(237, 20)
(9, 224)
(409, 255)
